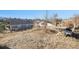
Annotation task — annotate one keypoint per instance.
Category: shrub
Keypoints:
(2, 27)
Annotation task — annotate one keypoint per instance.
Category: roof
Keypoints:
(16, 22)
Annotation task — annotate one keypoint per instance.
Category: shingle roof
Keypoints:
(16, 22)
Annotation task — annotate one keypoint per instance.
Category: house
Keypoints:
(40, 24)
(16, 25)
(43, 24)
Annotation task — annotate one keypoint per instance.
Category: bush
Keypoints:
(2, 27)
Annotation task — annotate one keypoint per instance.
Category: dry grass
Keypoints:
(38, 39)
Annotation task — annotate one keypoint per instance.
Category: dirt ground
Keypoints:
(38, 39)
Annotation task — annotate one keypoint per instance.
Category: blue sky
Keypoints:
(37, 13)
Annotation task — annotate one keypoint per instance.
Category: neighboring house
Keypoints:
(50, 26)
(16, 25)
(40, 24)
(44, 25)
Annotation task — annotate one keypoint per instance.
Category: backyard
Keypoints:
(37, 39)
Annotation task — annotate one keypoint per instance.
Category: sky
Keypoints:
(32, 14)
